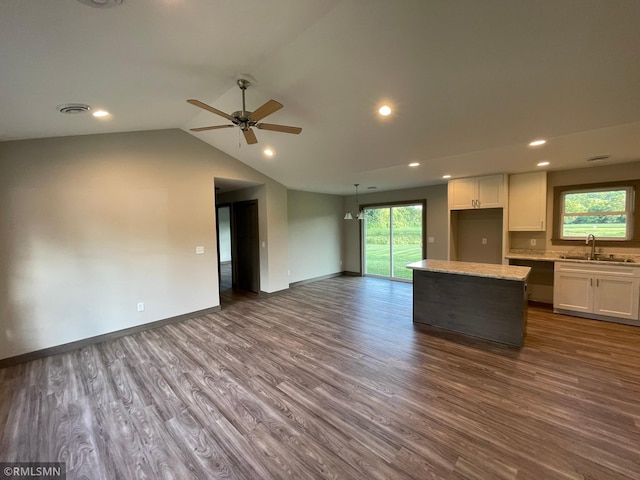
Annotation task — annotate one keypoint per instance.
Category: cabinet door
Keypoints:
(573, 291)
(462, 193)
(490, 191)
(528, 202)
(617, 297)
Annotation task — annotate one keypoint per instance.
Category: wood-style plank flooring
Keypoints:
(332, 380)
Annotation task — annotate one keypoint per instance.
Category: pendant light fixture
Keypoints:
(349, 215)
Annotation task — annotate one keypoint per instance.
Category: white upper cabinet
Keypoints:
(528, 202)
(476, 192)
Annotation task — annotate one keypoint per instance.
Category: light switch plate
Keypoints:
(199, 250)
(432, 240)
(484, 241)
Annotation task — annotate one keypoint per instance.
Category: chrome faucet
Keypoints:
(593, 245)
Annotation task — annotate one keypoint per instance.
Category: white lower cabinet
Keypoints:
(597, 291)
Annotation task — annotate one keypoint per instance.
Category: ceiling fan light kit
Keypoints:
(246, 119)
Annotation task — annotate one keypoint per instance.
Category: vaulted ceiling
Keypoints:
(470, 82)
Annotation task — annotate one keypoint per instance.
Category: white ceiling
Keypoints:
(471, 82)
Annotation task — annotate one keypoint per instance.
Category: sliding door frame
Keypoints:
(401, 203)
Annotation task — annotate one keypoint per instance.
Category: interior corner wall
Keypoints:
(436, 197)
(92, 225)
(315, 235)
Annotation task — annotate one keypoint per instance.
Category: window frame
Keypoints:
(627, 212)
(633, 204)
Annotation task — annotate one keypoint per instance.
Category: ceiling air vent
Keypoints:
(73, 108)
(598, 158)
(102, 3)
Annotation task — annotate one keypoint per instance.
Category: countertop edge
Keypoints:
(549, 258)
(487, 270)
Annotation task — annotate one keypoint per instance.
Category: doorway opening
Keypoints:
(223, 216)
(238, 246)
(393, 236)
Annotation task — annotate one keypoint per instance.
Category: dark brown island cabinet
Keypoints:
(482, 300)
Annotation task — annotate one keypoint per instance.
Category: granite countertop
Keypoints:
(557, 256)
(489, 270)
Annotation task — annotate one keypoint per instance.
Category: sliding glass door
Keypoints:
(393, 236)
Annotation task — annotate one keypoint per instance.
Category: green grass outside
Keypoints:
(403, 235)
(615, 230)
(377, 261)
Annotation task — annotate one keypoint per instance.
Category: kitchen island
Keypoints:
(478, 299)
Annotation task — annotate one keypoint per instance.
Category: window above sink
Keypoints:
(604, 210)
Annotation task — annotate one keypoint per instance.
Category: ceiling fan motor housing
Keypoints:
(241, 118)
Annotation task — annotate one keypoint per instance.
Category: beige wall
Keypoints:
(436, 197)
(92, 225)
(315, 235)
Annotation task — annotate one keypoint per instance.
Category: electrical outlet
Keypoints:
(533, 242)
(141, 306)
(199, 250)
(484, 241)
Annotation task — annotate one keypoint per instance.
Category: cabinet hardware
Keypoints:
(597, 282)
(591, 282)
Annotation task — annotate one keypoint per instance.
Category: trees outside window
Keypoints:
(605, 213)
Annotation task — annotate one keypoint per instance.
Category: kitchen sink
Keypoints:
(614, 259)
(597, 259)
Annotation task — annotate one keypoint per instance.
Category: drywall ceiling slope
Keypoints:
(471, 83)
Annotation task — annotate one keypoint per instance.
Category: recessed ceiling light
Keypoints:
(384, 110)
(268, 152)
(446, 176)
(100, 113)
(414, 164)
(537, 143)
(543, 164)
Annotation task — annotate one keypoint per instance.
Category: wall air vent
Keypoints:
(598, 158)
(73, 108)
(102, 3)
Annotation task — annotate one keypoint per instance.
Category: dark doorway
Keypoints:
(245, 246)
(223, 228)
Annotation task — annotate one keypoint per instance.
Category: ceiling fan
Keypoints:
(245, 119)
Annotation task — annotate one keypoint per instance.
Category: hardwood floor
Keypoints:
(332, 380)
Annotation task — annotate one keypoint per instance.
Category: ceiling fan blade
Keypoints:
(279, 128)
(209, 108)
(266, 109)
(249, 136)
(202, 129)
